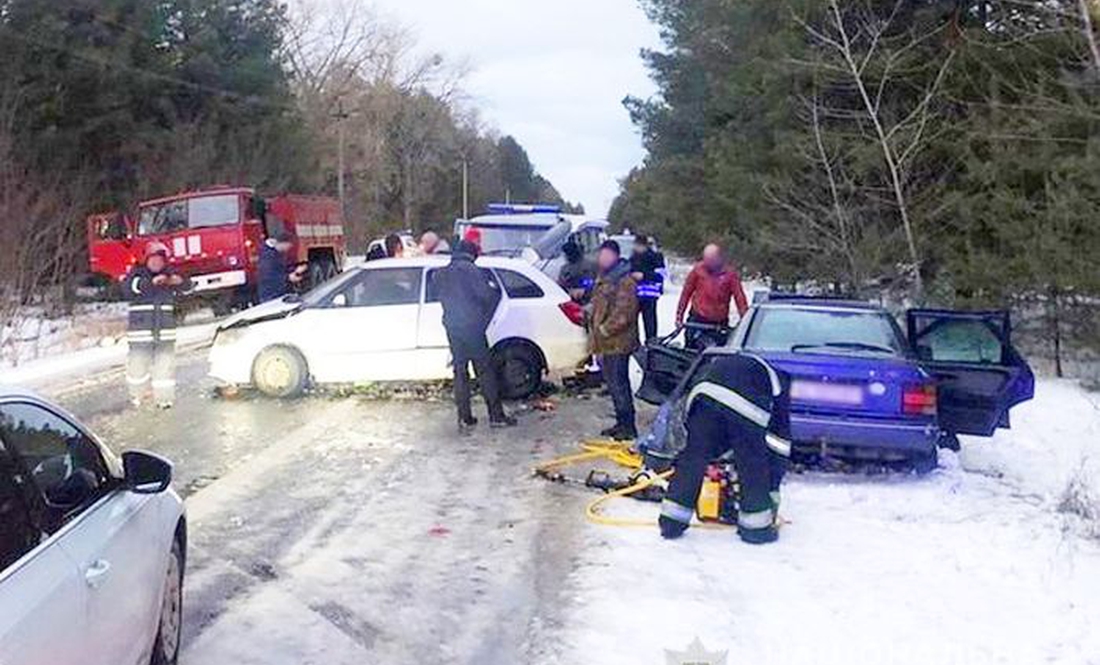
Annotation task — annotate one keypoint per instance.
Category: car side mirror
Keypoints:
(340, 300)
(925, 353)
(146, 473)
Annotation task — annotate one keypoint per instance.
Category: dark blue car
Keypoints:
(861, 388)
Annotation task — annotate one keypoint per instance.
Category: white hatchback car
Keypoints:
(382, 322)
(91, 547)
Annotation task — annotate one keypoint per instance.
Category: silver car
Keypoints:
(91, 546)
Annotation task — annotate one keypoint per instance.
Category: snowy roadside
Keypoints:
(973, 564)
(108, 353)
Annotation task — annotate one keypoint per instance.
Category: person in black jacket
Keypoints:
(648, 266)
(274, 274)
(738, 403)
(153, 288)
(469, 301)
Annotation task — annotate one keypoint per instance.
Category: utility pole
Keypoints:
(341, 116)
(465, 189)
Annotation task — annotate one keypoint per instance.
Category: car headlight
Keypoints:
(228, 336)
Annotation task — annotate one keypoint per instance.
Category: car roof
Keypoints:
(438, 260)
(538, 219)
(811, 302)
(13, 392)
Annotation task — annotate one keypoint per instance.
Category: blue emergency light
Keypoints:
(522, 208)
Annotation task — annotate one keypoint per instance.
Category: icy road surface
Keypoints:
(345, 531)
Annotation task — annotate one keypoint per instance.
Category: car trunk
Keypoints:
(847, 385)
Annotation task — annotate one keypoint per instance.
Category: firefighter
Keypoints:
(469, 301)
(647, 266)
(739, 404)
(153, 288)
(275, 276)
(708, 289)
(613, 328)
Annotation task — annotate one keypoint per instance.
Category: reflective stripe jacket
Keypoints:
(748, 386)
(152, 313)
(651, 265)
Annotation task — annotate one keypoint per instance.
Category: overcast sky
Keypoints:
(553, 74)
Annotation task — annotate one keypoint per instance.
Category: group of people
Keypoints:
(739, 405)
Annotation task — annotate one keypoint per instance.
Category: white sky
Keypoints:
(553, 74)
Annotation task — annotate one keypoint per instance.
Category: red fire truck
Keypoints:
(214, 236)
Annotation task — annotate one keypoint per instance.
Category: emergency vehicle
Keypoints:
(214, 237)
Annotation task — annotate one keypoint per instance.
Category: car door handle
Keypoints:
(97, 573)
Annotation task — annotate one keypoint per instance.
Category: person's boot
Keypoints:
(621, 433)
(610, 432)
(759, 536)
(670, 528)
(466, 425)
(502, 420)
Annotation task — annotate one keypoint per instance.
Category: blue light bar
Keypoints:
(522, 208)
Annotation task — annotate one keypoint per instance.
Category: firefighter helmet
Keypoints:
(156, 248)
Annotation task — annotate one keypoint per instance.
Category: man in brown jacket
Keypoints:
(614, 331)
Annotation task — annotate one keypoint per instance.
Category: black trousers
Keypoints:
(473, 349)
(648, 307)
(714, 430)
(701, 339)
(616, 374)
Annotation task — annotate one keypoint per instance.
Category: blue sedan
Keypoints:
(863, 389)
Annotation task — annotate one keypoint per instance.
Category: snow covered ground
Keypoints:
(977, 563)
(37, 350)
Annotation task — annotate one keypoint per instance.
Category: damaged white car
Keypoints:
(382, 322)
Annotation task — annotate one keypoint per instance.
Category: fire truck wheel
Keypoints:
(280, 371)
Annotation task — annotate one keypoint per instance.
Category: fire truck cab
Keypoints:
(214, 236)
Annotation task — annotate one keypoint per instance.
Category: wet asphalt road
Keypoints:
(344, 530)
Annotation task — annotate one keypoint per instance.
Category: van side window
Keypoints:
(17, 532)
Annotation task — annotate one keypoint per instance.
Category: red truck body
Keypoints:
(214, 237)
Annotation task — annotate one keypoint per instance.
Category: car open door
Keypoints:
(664, 365)
(979, 375)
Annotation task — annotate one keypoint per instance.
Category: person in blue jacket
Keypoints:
(275, 276)
(647, 266)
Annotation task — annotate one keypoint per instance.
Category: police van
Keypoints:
(536, 232)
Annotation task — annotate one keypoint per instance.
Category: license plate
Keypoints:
(832, 393)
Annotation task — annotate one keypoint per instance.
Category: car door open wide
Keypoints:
(979, 375)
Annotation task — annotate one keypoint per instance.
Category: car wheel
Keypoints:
(520, 369)
(166, 647)
(926, 462)
(280, 372)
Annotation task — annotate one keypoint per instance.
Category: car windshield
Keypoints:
(194, 213)
(823, 330)
(320, 294)
(503, 240)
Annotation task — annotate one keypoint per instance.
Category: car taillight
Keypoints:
(919, 400)
(573, 312)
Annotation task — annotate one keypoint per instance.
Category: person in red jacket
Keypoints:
(709, 288)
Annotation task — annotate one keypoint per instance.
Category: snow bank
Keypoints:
(1053, 447)
(32, 335)
(973, 564)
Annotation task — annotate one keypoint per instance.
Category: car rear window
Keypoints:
(824, 331)
(517, 286)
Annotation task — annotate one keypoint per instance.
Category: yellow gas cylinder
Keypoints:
(709, 506)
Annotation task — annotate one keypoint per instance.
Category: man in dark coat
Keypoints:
(647, 267)
(152, 288)
(469, 302)
(275, 276)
